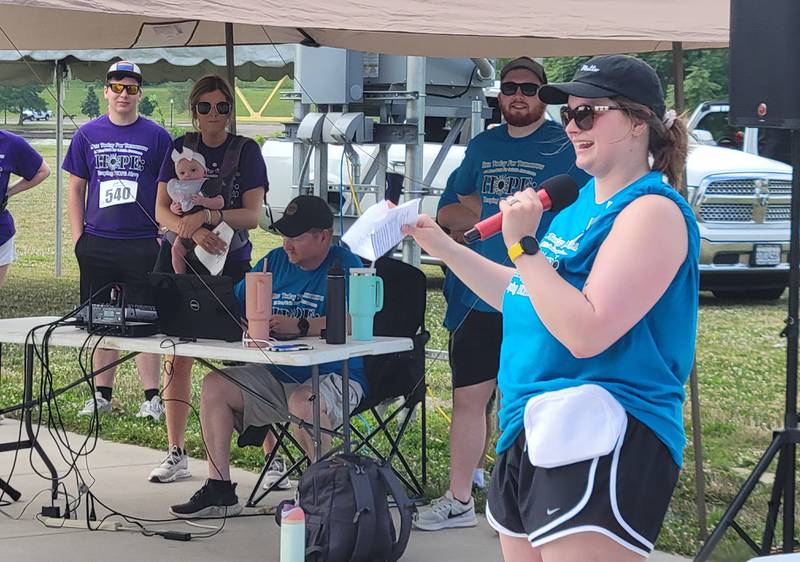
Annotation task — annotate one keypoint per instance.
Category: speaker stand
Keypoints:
(7, 489)
(784, 441)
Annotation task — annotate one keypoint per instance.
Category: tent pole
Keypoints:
(677, 66)
(230, 63)
(60, 71)
(415, 114)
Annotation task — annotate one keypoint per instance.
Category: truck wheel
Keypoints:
(750, 294)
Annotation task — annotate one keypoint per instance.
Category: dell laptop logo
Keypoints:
(194, 305)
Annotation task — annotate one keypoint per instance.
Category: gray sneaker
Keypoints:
(153, 408)
(276, 470)
(175, 466)
(103, 406)
(446, 513)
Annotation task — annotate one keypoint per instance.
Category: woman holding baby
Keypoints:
(233, 169)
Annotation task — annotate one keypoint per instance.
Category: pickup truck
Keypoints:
(743, 219)
(741, 202)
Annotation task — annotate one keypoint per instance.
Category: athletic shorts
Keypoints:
(623, 495)
(8, 252)
(474, 348)
(272, 403)
(103, 261)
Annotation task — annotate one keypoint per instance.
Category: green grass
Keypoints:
(740, 358)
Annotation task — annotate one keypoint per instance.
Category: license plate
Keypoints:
(767, 254)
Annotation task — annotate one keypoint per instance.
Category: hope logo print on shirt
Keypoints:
(302, 305)
(118, 166)
(502, 178)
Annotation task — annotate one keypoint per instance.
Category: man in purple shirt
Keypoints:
(113, 162)
(19, 158)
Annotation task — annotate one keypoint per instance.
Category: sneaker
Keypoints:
(274, 473)
(446, 513)
(153, 408)
(103, 406)
(175, 466)
(217, 498)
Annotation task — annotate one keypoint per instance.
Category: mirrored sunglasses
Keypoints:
(204, 107)
(118, 88)
(584, 114)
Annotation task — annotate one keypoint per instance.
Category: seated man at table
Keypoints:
(299, 286)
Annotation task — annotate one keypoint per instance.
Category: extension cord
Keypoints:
(56, 522)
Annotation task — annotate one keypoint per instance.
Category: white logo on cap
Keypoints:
(589, 68)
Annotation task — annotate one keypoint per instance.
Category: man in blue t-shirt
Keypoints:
(299, 293)
(523, 152)
(113, 163)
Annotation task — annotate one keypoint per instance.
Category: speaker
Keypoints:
(765, 64)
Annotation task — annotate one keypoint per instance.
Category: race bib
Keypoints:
(117, 192)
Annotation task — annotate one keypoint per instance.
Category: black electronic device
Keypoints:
(113, 314)
(764, 66)
(197, 306)
(117, 318)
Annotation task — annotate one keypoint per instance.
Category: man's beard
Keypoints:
(522, 119)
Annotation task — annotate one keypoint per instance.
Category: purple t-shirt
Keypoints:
(19, 158)
(252, 174)
(120, 164)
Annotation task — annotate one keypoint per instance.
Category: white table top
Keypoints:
(15, 330)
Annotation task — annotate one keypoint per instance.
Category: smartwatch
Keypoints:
(302, 325)
(528, 245)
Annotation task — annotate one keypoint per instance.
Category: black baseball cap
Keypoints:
(611, 76)
(302, 214)
(528, 64)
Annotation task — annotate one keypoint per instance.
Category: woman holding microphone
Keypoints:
(599, 321)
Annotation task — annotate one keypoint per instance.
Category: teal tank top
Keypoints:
(645, 370)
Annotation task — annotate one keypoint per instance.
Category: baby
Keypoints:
(191, 192)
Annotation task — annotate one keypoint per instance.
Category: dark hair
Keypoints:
(668, 146)
(205, 85)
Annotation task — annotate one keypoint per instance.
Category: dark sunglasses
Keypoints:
(118, 88)
(529, 89)
(584, 114)
(204, 107)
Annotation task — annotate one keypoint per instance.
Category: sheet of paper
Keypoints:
(378, 230)
(214, 263)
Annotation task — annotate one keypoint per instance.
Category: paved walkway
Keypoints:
(120, 481)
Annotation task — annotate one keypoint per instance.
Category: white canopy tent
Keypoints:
(173, 64)
(463, 28)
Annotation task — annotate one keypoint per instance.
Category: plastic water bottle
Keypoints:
(293, 534)
(335, 318)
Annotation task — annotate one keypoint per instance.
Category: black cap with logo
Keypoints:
(610, 76)
(528, 64)
(302, 214)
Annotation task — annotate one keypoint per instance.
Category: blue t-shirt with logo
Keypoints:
(120, 164)
(301, 294)
(497, 165)
(645, 370)
(19, 158)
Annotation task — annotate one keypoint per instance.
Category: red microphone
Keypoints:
(555, 193)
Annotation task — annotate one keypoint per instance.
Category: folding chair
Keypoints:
(389, 377)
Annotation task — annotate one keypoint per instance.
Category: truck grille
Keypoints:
(720, 212)
(746, 200)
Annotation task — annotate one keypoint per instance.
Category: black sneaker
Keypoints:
(217, 498)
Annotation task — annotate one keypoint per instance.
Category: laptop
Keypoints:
(197, 306)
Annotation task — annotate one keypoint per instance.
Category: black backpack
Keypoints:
(347, 511)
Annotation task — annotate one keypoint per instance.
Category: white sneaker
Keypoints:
(175, 466)
(153, 408)
(276, 470)
(103, 405)
(446, 513)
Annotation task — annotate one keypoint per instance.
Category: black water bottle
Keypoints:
(335, 318)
